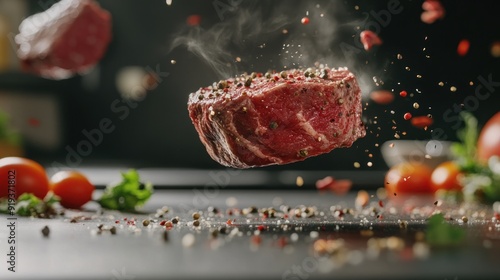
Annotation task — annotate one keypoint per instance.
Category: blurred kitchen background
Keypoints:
(156, 132)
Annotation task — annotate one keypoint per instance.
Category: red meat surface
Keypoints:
(277, 118)
(68, 38)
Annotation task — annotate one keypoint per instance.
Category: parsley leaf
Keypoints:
(465, 150)
(126, 195)
(441, 233)
(29, 205)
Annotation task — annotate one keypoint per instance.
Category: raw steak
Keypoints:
(277, 118)
(69, 37)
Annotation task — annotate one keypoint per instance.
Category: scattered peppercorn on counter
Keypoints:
(288, 235)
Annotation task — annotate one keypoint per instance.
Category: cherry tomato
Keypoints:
(445, 177)
(488, 143)
(408, 177)
(73, 188)
(20, 175)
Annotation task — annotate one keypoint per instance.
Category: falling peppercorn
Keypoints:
(196, 216)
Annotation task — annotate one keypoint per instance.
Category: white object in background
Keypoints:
(130, 82)
(430, 153)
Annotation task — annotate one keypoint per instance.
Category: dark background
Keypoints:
(159, 132)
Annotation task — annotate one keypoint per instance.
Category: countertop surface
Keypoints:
(80, 245)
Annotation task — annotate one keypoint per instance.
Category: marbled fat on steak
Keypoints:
(278, 118)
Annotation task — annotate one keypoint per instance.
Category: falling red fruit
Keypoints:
(433, 10)
(382, 97)
(193, 20)
(339, 187)
(463, 47)
(369, 39)
(421, 121)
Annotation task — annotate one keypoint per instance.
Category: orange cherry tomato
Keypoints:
(445, 177)
(73, 188)
(488, 143)
(408, 177)
(20, 175)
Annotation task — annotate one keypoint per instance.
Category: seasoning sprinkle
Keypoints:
(299, 181)
(45, 231)
(145, 223)
(196, 223)
(248, 82)
(196, 216)
(273, 125)
(303, 153)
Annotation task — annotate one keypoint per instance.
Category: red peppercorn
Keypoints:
(403, 93)
(407, 116)
(463, 47)
(162, 223)
(260, 227)
(229, 222)
(380, 203)
(256, 239)
(305, 20)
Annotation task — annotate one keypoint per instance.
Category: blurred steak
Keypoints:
(68, 38)
(277, 118)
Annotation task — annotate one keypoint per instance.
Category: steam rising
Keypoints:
(243, 28)
(248, 25)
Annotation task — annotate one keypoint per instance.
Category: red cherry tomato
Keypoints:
(20, 175)
(445, 177)
(488, 143)
(408, 177)
(73, 188)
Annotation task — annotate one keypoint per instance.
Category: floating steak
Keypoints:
(68, 38)
(278, 118)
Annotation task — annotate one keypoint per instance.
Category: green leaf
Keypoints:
(6, 133)
(127, 195)
(441, 233)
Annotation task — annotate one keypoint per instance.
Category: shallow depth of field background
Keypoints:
(157, 131)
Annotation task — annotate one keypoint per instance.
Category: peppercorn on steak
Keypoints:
(277, 118)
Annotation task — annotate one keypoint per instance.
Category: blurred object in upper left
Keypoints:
(68, 38)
